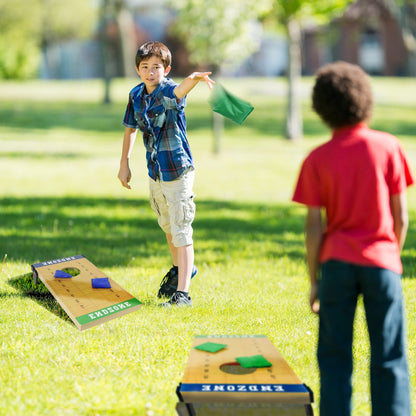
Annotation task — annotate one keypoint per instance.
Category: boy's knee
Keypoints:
(182, 239)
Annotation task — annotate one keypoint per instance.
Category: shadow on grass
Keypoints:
(37, 292)
(267, 120)
(43, 115)
(41, 155)
(114, 232)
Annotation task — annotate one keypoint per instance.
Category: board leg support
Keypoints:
(308, 407)
(35, 275)
(188, 409)
(234, 409)
(274, 390)
(188, 406)
(308, 410)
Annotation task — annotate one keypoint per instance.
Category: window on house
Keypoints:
(370, 53)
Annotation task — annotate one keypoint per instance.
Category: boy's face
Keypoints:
(152, 72)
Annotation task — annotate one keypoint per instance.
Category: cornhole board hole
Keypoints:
(85, 305)
(214, 383)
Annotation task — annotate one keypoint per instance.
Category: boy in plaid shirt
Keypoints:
(156, 108)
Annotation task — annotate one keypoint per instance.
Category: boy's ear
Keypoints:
(137, 70)
(167, 70)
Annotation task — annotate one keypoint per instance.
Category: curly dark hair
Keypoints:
(342, 95)
(154, 48)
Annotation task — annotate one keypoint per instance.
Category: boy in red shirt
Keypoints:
(359, 179)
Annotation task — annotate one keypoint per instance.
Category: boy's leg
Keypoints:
(173, 249)
(185, 266)
(159, 206)
(183, 258)
(181, 208)
(338, 299)
(382, 292)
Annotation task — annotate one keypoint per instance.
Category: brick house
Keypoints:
(368, 34)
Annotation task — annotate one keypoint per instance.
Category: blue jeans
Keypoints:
(340, 285)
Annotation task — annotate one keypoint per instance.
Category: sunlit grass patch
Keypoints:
(60, 196)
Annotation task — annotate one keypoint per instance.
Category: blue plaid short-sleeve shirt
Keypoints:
(160, 116)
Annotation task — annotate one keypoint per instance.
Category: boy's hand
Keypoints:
(189, 82)
(203, 76)
(124, 175)
(313, 298)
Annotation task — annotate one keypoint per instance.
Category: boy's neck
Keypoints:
(149, 89)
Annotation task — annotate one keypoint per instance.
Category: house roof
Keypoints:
(362, 9)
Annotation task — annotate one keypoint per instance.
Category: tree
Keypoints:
(118, 38)
(27, 30)
(405, 12)
(109, 35)
(60, 21)
(218, 33)
(292, 14)
(19, 46)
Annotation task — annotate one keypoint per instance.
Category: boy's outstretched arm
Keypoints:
(124, 174)
(313, 241)
(189, 82)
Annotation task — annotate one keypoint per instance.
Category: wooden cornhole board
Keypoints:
(214, 384)
(85, 305)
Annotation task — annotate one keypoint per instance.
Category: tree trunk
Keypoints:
(294, 110)
(217, 122)
(406, 19)
(218, 132)
(110, 41)
(128, 42)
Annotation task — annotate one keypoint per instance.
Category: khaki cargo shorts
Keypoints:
(173, 203)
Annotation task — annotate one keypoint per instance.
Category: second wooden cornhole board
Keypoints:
(214, 383)
(85, 305)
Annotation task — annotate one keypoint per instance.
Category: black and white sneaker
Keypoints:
(169, 283)
(177, 299)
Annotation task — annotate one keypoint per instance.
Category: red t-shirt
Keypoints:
(353, 176)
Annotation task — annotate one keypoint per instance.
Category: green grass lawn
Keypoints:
(59, 155)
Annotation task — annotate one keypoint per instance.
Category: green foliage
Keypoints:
(66, 20)
(26, 26)
(308, 10)
(219, 31)
(19, 46)
(18, 58)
